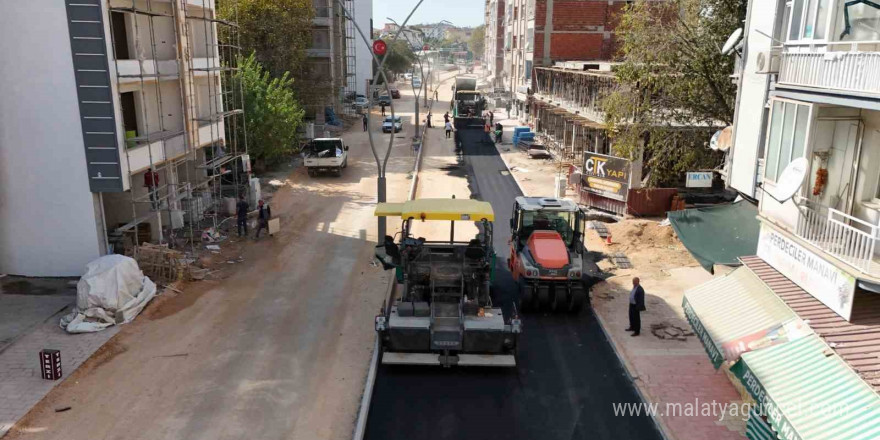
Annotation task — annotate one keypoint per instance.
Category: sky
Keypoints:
(459, 12)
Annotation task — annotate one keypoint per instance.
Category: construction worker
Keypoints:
(382, 106)
(365, 122)
(241, 210)
(264, 213)
(151, 182)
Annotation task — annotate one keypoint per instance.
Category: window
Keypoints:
(789, 123)
(807, 19)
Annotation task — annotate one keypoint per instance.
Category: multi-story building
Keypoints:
(363, 58)
(807, 150)
(101, 93)
(542, 32)
(493, 57)
(332, 73)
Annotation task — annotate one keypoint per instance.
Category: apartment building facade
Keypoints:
(102, 93)
(806, 149)
(543, 32)
(493, 57)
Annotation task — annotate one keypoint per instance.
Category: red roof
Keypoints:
(857, 342)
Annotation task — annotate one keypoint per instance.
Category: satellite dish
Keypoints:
(731, 41)
(791, 179)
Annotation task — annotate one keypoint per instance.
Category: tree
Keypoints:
(477, 43)
(672, 76)
(272, 114)
(277, 31)
(400, 57)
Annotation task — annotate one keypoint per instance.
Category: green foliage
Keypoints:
(672, 76)
(272, 114)
(400, 57)
(277, 31)
(477, 43)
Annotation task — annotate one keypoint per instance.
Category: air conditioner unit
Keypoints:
(767, 62)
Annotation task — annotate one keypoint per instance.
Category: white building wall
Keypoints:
(363, 14)
(48, 220)
(750, 114)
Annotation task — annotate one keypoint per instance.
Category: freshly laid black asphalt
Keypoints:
(564, 385)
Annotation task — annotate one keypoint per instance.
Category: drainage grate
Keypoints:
(620, 260)
(600, 228)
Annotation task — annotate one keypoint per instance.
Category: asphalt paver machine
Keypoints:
(442, 313)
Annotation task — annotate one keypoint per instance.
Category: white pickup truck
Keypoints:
(326, 154)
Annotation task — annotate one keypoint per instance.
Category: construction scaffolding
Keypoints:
(350, 60)
(193, 161)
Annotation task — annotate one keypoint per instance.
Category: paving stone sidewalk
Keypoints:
(21, 385)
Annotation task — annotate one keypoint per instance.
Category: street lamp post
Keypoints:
(380, 71)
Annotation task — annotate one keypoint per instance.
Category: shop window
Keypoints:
(789, 123)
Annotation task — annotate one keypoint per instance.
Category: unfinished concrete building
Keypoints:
(137, 129)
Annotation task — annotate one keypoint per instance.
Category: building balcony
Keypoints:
(850, 72)
(154, 149)
(322, 16)
(317, 52)
(131, 71)
(848, 239)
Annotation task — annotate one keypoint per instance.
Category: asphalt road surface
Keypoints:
(567, 376)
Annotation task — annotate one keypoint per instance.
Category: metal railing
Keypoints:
(847, 238)
(850, 71)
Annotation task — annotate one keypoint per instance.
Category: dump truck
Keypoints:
(467, 103)
(325, 154)
(442, 313)
(546, 254)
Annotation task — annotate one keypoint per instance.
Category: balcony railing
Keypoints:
(846, 71)
(847, 238)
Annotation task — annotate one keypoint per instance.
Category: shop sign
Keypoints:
(699, 179)
(607, 176)
(826, 282)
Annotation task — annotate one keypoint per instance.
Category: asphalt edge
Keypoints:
(367, 396)
(627, 366)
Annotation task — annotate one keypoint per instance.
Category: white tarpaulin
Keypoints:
(112, 291)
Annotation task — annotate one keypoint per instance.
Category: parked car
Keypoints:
(384, 100)
(395, 93)
(387, 125)
(352, 96)
(360, 104)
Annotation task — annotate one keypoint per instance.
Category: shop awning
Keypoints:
(809, 393)
(718, 234)
(757, 428)
(737, 313)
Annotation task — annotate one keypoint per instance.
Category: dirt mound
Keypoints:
(648, 245)
(643, 234)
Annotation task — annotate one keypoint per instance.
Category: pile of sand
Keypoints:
(648, 244)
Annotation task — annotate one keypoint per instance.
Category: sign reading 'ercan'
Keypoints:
(606, 175)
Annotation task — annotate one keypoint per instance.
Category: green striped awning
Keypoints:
(757, 428)
(737, 313)
(807, 392)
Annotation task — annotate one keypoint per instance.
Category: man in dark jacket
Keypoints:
(241, 210)
(636, 307)
(264, 213)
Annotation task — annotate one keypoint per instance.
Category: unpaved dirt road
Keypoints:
(278, 350)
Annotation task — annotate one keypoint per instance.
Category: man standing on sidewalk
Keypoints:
(636, 307)
(365, 122)
(382, 105)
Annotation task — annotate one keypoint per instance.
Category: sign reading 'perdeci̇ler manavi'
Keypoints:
(826, 282)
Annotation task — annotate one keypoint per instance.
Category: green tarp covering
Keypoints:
(718, 234)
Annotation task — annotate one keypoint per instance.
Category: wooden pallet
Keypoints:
(162, 265)
(621, 261)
